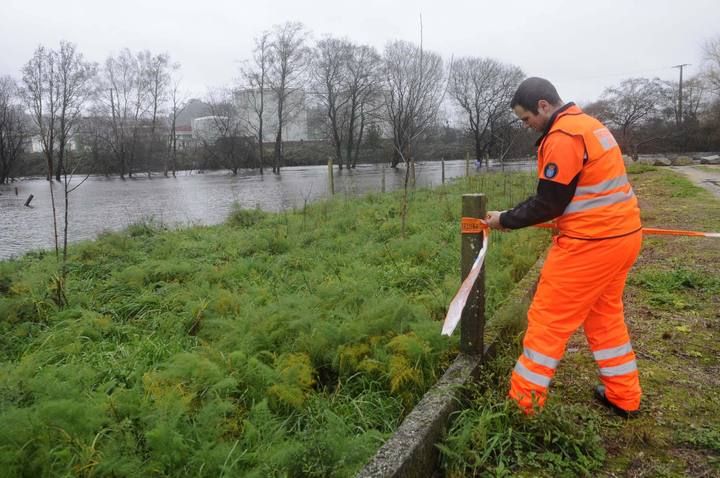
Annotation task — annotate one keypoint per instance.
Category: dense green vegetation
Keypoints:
(671, 305)
(273, 345)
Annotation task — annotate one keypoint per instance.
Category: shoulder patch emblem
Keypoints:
(550, 170)
(605, 137)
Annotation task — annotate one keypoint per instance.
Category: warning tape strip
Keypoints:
(469, 225)
(452, 319)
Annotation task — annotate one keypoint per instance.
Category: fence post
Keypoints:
(330, 177)
(442, 164)
(472, 323)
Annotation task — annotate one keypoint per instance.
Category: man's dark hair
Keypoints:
(532, 90)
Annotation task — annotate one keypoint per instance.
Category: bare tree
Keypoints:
(126, 99)
(57, 85)
(255, 76)
(41, 95)
(711, 57)
(694, 96)
(156, 69)
(362, 86)
(328, 72)
(178, 103)
(225, 139)
(630, 104)
(413, 91)
(483, 88)
(288, 61)
(74, 82)
(13, 130)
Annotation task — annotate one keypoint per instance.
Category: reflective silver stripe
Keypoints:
(585, 204)
(603, 186)
(539, 358)
(618, 369)
(533, 377)
(613, 352)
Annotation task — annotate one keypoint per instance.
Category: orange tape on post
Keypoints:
(472, 225)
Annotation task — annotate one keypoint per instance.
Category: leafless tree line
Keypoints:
(120, 116)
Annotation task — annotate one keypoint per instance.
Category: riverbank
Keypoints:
(672, 302)
(272, 344)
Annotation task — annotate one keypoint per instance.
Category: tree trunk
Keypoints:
(278, 151)
(358, 143)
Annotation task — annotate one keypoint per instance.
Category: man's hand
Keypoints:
(493, 220)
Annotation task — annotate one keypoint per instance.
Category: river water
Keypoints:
(102, 204)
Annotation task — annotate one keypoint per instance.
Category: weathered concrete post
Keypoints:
(472, 324)
(330, 177)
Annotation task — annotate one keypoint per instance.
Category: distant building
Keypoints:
(194, 109)
(295, 127)
(35, 144)
(183, 136)
(207, 128)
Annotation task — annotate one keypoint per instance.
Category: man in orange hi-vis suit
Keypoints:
(584, 189)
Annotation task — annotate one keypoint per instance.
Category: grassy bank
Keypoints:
(672, 302)
(273, 345)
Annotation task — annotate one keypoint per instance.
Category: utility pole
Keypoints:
(679, 118)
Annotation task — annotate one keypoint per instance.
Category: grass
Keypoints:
(286, 344)
(672, 301)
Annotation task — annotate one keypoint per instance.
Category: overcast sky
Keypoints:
(580, 46)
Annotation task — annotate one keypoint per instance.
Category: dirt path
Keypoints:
(705, 176)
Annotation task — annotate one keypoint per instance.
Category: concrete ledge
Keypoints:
(411, 451)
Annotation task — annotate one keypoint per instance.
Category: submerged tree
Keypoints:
(225, 139)
(57, 86)
(177, 104)
(287, 66)
(255, 78)
(13, 130)
(329, 69)
(412, 92)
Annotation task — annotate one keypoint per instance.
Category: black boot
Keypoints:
(600, 396)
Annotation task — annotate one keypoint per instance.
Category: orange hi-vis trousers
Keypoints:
(581, 283)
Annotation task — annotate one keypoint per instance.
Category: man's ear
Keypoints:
(543, 106)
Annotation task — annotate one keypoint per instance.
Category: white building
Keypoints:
(208, 128)
(295, 127)
(36, 144)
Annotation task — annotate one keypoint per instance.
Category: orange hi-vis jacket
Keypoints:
(604, 204)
